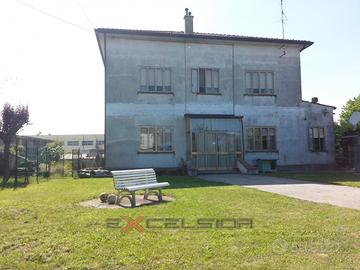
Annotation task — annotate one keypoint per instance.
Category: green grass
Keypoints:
(42, 226)
(329, 177)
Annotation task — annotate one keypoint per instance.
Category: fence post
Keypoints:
(46, 164)
(63, 164)
(37, 165)
(79, 161)
(72, 163)
(26, 163)
(16, 161)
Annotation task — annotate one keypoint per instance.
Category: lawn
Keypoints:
(43, 227)
(329, 177)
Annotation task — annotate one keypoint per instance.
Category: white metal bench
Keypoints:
(130, 181)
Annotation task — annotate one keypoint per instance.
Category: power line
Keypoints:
(84, 13)
(54, 16)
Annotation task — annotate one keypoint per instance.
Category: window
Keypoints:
(205, 81)
(99, 142)
(317, 139)
(155, 139)
(259, 82)
(87, 142)
(261, 138)
(155, 79)
(73, 143)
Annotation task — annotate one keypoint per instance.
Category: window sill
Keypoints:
(262, 151)
(266, 95)
(156, 92)
(156, 152)
(208, 94)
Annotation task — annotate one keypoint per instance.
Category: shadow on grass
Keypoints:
(11, 185)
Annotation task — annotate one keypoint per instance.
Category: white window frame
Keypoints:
(252, 91)
(268, 149)
(196, 89)
(156, 146)
(156, 69)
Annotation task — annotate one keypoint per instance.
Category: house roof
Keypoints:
(198, 36)
(320, 104)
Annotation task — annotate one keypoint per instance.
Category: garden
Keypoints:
(43, 226)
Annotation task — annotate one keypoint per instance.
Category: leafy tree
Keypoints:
(12, 120)
(51, 153)
(344, 127)
(351, 106)
(21, 150)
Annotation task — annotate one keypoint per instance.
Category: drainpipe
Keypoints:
(243, 138)
(233, 79)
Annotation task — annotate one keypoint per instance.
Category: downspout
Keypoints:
(243, 138)
(233, 79)
(185, 81)
(105, 72)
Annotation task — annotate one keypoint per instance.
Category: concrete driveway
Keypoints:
(342, 196)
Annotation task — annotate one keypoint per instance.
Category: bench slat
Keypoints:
(121, 178)
(142, 187)
(139, 179)
(119, 184)
(133, 170)
(126, 182)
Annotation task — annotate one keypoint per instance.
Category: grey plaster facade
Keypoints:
(125, 52)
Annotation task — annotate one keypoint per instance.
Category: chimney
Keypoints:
(314, 100)
(188, 22)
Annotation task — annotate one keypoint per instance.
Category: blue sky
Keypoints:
(56, 68)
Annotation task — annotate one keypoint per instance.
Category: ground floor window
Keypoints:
(317, 139)
(261, 138)
(155, 139)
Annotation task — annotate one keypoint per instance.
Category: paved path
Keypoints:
(342, 196)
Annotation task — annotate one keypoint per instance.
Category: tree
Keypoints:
(351, 106)
(344, 127)
(12, 120)
(51, 153)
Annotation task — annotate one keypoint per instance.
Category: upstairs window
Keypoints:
(72, 143)
(101, 142)
(317, 139)
(205, 81)
(155, 139)
(259, 82)
(261, 139)
(87, 142)
(155, 79)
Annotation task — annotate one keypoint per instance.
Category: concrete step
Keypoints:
(246, 168)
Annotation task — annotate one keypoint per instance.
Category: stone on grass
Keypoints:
(103, 197)
(111, 199)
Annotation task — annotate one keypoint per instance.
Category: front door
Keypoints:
(216, 150)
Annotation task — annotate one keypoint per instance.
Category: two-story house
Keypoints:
(208, 100)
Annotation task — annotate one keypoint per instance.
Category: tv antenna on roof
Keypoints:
(283, 18)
